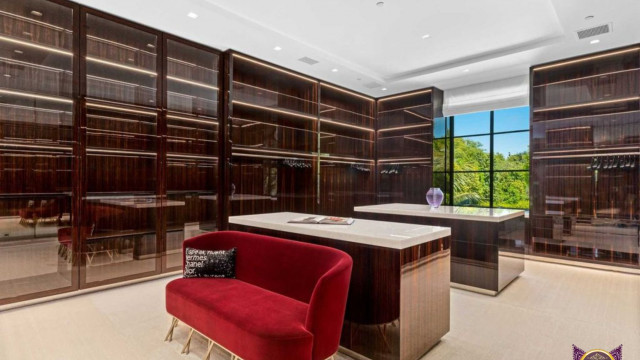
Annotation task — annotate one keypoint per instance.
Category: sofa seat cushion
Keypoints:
(252, 322)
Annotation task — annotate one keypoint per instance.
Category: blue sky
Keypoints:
(504, 120)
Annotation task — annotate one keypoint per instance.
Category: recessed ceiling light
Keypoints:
(426, 36)
(594, 41)
(36, 13)
(277, 48)
(334, 70)
(590, 17)
(192, 15)
(384, 89)
(380, 3)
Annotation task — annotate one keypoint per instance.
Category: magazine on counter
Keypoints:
(331, 220)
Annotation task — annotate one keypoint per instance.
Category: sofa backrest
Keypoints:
(287, 267)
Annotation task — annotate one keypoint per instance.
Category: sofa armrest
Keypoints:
(327, 308)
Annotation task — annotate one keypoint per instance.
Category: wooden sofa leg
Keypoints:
(207, 356)
(174, 323)
(185, 349)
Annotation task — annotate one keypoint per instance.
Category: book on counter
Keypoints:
(331, 220)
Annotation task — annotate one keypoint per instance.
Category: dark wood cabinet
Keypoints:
(405, 145)
(585, 149)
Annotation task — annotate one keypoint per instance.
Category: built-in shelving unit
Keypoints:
(273, 126)
(347, 150)
(585, 144)
(404, 140)
(36, 143)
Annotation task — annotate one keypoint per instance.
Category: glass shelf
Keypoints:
(272, 100)
(259, 134)
(339, 145)
(20, 26)
(24, 76)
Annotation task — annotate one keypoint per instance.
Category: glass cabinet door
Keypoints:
(192, 145)
(36, 142)
(122, 203)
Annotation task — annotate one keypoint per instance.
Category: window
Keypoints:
(482, 159)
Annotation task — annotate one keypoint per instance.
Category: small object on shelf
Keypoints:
(435, 196)
(331, 220)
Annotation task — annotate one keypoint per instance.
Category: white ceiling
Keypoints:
(366, 43)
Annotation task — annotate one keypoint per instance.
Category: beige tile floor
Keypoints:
(539, 316)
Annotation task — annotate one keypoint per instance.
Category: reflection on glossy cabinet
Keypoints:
(585, 143)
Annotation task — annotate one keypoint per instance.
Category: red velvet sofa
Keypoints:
(287, 302)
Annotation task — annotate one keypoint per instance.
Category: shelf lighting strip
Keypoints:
(346, 125)
(120, 66)
(360, 162)
(405, 95)
(272, 91)
(343, 136)
(212, 158)
(403, 127)
(403, 108)
(426, 162)
(329, 157)
(583, 117)
(585, 150)
(335, 108)
(586, 59)
(43, 97)
(584, 155)
(403, 160)
(190, 64)
(192, 82)
(570, 128)
(588, 104)
(192, 120)
(253, 123)
(409, 137)
(273, 68)
(36, 66)
(268, 156)
(273, 110)
(27, 146)
(107, 107)
(587, 77)
(41, 47)
(271, 152)
(416, 114)
(347, 92)
(122, 152)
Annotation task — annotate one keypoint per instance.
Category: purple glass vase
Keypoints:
(435, 197)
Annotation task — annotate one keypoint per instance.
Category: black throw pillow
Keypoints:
(210, 263)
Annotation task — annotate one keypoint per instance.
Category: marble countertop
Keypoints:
(370, 232)
(449, 212)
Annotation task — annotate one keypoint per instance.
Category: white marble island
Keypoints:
(487, 247)
(398, 305)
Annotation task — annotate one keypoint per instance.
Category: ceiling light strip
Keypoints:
(405, 95)
(403, 127)
(192, 82)
(588, 104)
(273, 68)
(347, 92)
(125, 67)
(586, 59)
(274, 110)
(346, 125)
(30, 44)
(43, 97)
